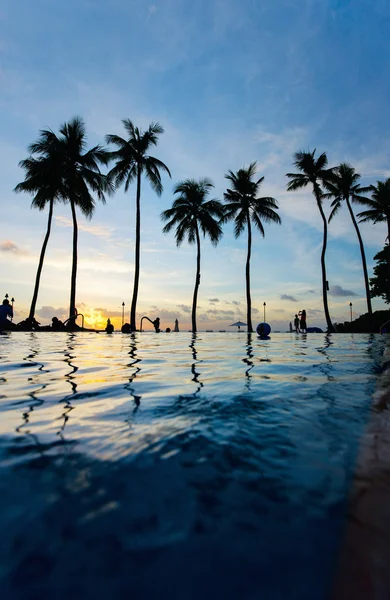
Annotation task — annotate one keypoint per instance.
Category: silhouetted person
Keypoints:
(156, 324)
(126, 328)
(168, 330)
(56, 324)
(176, 330)
(109, 327)
(296, 324)
(5, 312)
(303, 325)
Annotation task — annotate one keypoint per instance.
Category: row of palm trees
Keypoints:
(342, 185)
(60, 168)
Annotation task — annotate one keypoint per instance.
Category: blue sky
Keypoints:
(231, 82)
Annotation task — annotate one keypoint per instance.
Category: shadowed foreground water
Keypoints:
(178, 466)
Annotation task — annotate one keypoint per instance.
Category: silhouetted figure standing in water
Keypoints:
(296, 324)
(303, 325)
(156, 324)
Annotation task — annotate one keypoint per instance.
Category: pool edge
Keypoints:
(363, 569)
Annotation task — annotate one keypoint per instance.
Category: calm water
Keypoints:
(181, 467)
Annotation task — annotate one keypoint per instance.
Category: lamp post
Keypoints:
(350, 310)
(123, 313)
(264, 305)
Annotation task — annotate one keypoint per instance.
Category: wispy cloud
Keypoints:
(101, 231)
(10, 247)
(287, 297)
(337, 290)
(184, 308)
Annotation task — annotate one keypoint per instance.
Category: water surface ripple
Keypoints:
(176, 465)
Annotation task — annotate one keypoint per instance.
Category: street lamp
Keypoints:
(123, 313)
(350, 310)
(264, 305)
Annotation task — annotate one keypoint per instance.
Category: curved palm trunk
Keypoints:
(197, 281)
(364, 262)
(248, 279)
(41, 259)
(323, 267)
(133, 310)
(72, 307)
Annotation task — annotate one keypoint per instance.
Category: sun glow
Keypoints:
(94, 318)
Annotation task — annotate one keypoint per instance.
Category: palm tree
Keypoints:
(378, 207)
(132, 161)
(192, 213)
(74, 174)
(43, 180)
(82, 176)
(313, 171)
(345, 187)
(243, 205)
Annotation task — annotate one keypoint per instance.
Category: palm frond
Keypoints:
(336, 204)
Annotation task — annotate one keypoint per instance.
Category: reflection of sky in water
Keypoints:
(216, 449)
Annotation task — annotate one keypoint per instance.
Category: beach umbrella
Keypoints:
(238, 324)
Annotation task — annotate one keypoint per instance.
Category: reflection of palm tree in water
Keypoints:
(248, 361)
(134, 361)
(36, 402)
(69, 377)
(326, 368)
(193, 366)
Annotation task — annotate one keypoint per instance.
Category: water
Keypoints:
(178, 466)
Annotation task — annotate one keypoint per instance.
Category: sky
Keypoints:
(232, 82)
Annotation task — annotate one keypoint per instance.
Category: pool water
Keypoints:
(176, 465)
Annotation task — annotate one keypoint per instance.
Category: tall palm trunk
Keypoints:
(364, 262)
(41, 259)
(72, 307)
(323, 267)
(388, 242)
(248, 278)
(197, 281)
(137, 252)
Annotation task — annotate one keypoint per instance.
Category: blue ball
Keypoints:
(263, 329)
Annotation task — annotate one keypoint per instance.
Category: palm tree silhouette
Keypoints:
(313, 171)
(43, 180)
(243, 205)
(378, 208)
(132, 161)
(82, 176)
(192, 213)
(64, 171)
(345, 187)
(379, 205)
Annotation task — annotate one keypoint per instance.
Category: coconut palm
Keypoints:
(44, 182)
(378, 208)
(81, 176)
(243, 205)
(133, 161)
(192, 213)
(378, 205)
(74, 174)
(345, 187)
(313, 172)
